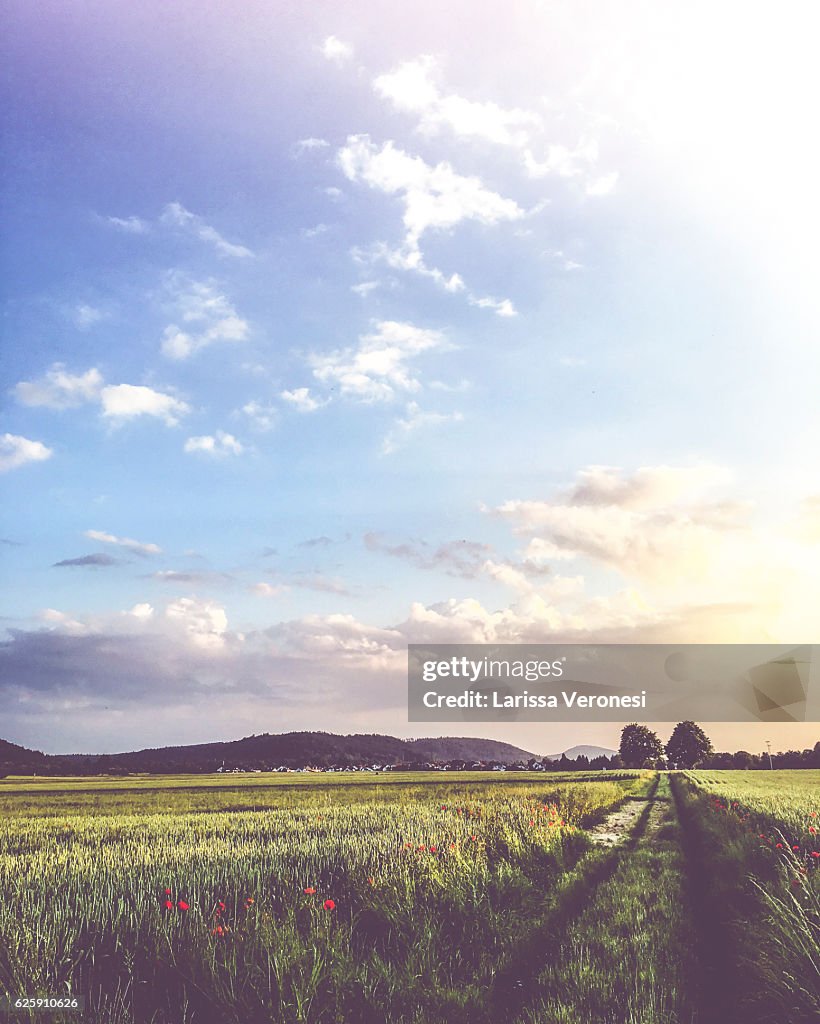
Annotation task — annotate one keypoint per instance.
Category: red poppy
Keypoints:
(433, 849)
(444, 807)
(778, 846)
(814, 853)
(812, 829)
(221, 905)
(169, 905)
(219, 930)
(329, 905)
(249, 901)
(474, 838)
(167, 892)
(183, 905)
(309, 891)
(795, 848)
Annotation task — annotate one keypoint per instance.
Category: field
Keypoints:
(604, 898)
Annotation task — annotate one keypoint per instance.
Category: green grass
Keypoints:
(85, 900)
(184, 794)
(631, 953)
(760, 898)
(457, 897)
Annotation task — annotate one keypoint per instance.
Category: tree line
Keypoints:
(690, 747)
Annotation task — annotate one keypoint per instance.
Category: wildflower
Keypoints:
(219, 930)
(183, 905)
(795, 848)
(444, 807)
(249, 901)
(221, 905)
(310, 891)
(169, 905)
(422, 848)
(814, 853)
(778, 846)
(474, 838)
(329, 905)
(812, 829)
(433, 849)
(167, 892)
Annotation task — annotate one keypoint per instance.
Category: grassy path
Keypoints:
(625, 950)
(760, 937)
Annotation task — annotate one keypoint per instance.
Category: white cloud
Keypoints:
(59, 389)
(204, 622)
(646, 487)
(415, 419)
(563, 161)
(336, 50)
(412, 88)
(218, 446)
(409, 257)
(314, 232)
(378, 369)
(433, 196)
(602, 186)
(501, 307)
(262, 417)
(302, 400)
(175, 215)
(17, 451)
(131, 225)
(138, 547)
(364, 288)
(200, 302)
(85, 316)
(309, 145)
(122, 402)
(266, 590)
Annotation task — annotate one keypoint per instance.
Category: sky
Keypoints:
(331, 328)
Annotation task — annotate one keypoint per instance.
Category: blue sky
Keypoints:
(331, 329)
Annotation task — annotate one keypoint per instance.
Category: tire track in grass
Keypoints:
(629, 953)
(710, 914)
(512, 986)
(745, 981)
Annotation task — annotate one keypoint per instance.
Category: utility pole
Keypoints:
(769, 748)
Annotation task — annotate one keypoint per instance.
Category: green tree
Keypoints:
(640, 747)
(688, 745)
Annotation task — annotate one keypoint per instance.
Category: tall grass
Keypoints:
(757, 842)
(428, 886)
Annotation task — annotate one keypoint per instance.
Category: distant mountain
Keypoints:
(452, 748)
(15, 760)
(291, 750)
(582, 750)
